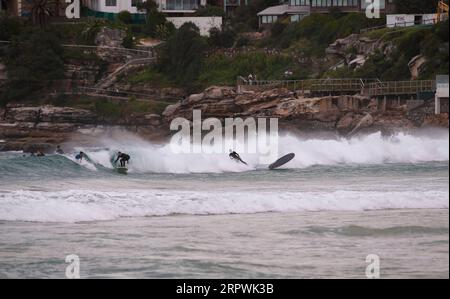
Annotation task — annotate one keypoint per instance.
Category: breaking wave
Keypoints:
(370, 149)
(83, 205)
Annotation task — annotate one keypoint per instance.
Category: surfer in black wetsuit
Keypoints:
(235, 156)
(59, 151)
(80, 156)
(40, 154)
(124, 158)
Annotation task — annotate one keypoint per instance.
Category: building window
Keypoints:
(269, 19)
(181, 4)
(299, 2)
(110, 2)
(135, 3)
(297, 18)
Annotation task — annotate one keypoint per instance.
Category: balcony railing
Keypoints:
(180, 6)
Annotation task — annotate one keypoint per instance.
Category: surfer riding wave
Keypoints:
(235, 156)
(124, 158)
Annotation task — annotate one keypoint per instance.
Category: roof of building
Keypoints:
(284, 9)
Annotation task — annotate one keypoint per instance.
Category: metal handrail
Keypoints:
(371, 86)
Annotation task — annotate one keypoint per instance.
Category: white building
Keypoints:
(441, 98)
(166, 6)
(177, 11)
(296, 10)
(407, 20)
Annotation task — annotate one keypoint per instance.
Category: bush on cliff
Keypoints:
(245, 16)
(9, 27)
(32, 61)
(153, 18)
(222, 70)
(181, 57)
(322, 29)
(210, 10)
(125, 17)
(221, 38)
(415, 6)
(430, 42)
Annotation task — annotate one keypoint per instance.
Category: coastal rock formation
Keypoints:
(31, 128)
(354, 50)
(108, 37)
(347, 115)
(416, 66)
(38, 115)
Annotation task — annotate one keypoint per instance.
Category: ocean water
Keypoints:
(205, 216)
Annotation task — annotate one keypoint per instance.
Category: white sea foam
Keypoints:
(82, 205)
(370, 149)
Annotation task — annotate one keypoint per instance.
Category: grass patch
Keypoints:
(222, 70)
(149, 76)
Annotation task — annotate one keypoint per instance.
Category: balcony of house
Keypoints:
(234, 3)
(274, 13)
(180, 6)
(324, 6)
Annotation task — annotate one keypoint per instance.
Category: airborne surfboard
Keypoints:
(280, 162)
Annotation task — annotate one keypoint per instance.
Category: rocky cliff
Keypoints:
(30, 128)
(353, 50)
(41, 128)
(346, 115)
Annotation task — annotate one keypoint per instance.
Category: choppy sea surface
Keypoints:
(205, 216)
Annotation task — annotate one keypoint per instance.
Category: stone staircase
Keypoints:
(133, 63)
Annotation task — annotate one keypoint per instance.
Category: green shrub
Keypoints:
(278, 28)
(242, 41)
(164, 31)
(441, 30)
(180, 58)
(210, 10)
(128, 41)
(9, 27)
(221, 38)
(320, 29)
(125, 17)
(410, 41)
(149, 76)
(222, 70)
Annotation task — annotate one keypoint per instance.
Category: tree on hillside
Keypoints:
(416, 6)
(40, 12)
(153, 17)
(181, 56)
(9, 26)
(32, 61)
(245, 16)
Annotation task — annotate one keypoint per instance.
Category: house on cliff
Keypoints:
(23, 8)
(110, 8)
(295, 10)
(16, 8)
(177, 11)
